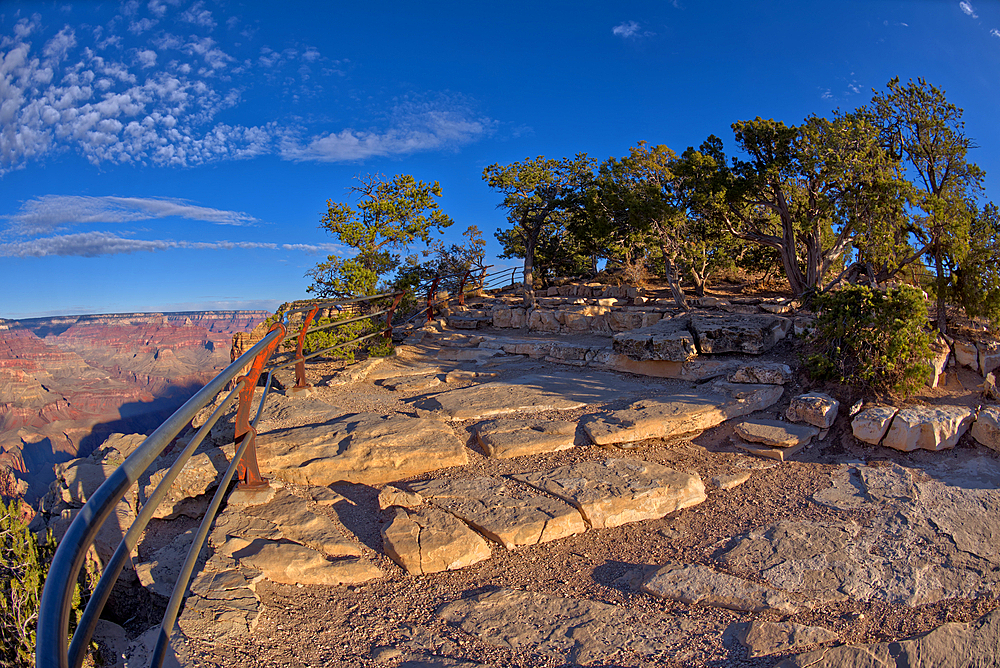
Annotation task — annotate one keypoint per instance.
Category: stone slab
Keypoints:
(301, 525)
(618, 491)
(668, 340)
(779, 454)
(429, 540)
(693, 370)
(531, 393)
(364, 448)
(560, 631)
(503, 510)
(764, 638)
(291, 563)
(694, 584)
(952, 644)
(677, 414)
(775, 433)
(751, 334)
(967, 354)
(503, 439)
(928, 427)
(729, 481)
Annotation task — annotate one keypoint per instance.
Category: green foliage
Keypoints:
(389, 216)
(977, 279)
(872, 340)
(337, 336)
(448, 261)
(23, 566)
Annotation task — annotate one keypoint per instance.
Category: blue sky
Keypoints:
(178, 155)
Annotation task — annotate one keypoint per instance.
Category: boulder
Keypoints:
(989, 356)
(775, 433)
(428, 540)
(543, 321)
(871, 424)
(816, 408)
(364, 448)
(619, 491)
(503, 439)
(938, 362)
(393, 496)
(678, 414)
(504, 511)
(694, 584)
(928, 427)
(967, 354)
(986, 428)
(768, 373)
(769, 452)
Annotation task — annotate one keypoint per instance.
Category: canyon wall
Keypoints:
(67, 382)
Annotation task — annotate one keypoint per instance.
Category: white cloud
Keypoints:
(995, 32)
(146, 58)
(415, 130)
(967, 8)
(97, 244)
(627, 30)
(198, 15)
(52, 212)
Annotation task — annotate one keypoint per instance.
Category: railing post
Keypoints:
(430, 297)
(388, 316)
(247, 470)
(300, 363)
(461, 287)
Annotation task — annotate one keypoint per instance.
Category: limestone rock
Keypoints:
(565, 631)
(514, 438)
(816, 408)
(695, 584)
(989, 356)
(951, 644)
(769, 452)
(698, 368)
(775, 433)
(503, 510)
(393, 496)
(462, 376)
(412, 383)
(199, 476)
(669, 340)
(357, 372)
(542, 321)
(990, 390)
(467, 354)
(768, 373)
(930, 428)
(679, 414)
(291, 563)
(967, 354)
(986, 428)
(753, 334)
(364, 448)
(301, 525)
(428, 540)
(731, 480)
(871, 424)
(159, 575)
(938, 362)
(619, 491)
(764, 638)
(530, 393)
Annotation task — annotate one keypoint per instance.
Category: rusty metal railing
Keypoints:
(53, 647)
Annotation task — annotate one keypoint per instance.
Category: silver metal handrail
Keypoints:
(52, 647)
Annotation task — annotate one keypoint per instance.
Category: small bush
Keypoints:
(872, 340)
(23, 566)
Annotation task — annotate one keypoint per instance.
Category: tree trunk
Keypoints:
(671, 273)
(942, 314)
(529, 273)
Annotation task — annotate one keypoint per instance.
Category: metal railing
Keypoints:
(53, 648)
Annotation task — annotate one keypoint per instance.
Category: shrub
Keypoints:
(24, 563)
(872, 340)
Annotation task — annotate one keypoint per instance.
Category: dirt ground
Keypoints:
(392, 620)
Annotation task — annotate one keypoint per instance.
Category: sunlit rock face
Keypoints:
(67, 382)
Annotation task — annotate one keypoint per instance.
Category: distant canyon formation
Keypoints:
(67, 382)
